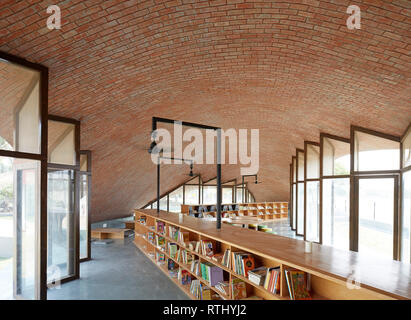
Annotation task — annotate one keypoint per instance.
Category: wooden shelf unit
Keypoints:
(263, 210)
(322, 264)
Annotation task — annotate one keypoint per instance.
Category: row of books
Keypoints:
(184, 277)
(187, 257)
(200, 291)
(242, 263)
(207, 248)
(211, 273)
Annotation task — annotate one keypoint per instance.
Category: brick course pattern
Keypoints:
(290, 68)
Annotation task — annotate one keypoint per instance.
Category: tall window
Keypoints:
(300, 192)
(84, 205)
(335, 190)
(406, 197)
(63, 203)
(210, 191)
(192, 191)
(175, 200)
(312, 191)
(294, 194)
(376, 171)
(23, 128)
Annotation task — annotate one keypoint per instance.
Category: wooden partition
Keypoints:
(333, 273)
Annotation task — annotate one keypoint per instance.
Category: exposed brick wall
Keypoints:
(289, 68)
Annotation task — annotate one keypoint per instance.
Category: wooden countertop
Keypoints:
(389, 277)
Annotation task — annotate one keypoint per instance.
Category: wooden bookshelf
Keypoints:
(262, 210)
(329, 268)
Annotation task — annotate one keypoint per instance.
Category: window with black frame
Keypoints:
(376, 173)
(62, 199)
(335, 191)
(23, 133)
(312, 191)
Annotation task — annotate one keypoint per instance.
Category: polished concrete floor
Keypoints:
(119, 270)
(282, 227)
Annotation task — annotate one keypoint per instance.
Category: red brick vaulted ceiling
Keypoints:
(290, 68)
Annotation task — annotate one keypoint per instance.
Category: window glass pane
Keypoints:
(300, 209)
(313, 211)
(336, 213)
(227, 195)
(406, 213)
(61, 143)
(336, 157)
(154, 205)
(406, 150)
(239, 192)
(83, 162)
(191, 194)
(294, 170)
(19, 224)
(175, 200)
(300, 169)
(20, 127)
(294, 222)
(61, 226)
(376, 216)
(375, 153)
(84, 216)
(313, 162)
(210, 194)
(163, 203)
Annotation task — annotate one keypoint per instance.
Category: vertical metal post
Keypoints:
(158, 185)
(218, 178)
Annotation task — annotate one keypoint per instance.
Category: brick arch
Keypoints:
(291, 69)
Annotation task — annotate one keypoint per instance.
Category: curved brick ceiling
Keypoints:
(290, 68)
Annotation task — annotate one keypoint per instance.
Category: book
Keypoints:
(160, 258)
(150, 237)
(218, 257)
(172, 250)
(173, 232)
(183, 236)
(238, 289)
(299, 285)
(248, 264)
(160, 242)
(171, 264)
(206, 293)
(223, 287)
(161, 227)
(257, 275)
(143, 220)
(226, 258)
(185, 277)
(207, 247)
(197, 248)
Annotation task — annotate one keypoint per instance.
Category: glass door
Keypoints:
(26, 226)
(377, 215)
(61, 255)
(84, 217)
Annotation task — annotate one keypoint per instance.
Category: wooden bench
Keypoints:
(108, 233)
